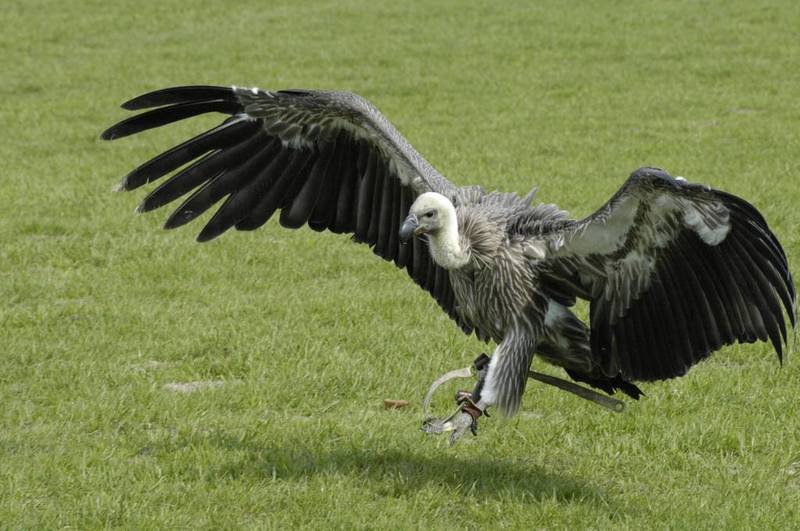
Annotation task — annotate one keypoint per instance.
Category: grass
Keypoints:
(102, 311)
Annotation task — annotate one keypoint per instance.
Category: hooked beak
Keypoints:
(408, 228)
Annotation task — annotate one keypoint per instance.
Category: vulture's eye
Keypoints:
(430, 213)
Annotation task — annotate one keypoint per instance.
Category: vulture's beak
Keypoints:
(408, 228)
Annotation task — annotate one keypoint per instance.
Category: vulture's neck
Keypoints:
(445, 244)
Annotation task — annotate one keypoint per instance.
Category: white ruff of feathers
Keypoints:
(444, 244)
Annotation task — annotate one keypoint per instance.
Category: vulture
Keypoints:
(672, 270)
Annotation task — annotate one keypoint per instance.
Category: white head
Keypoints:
(429, 214)
(433, 214)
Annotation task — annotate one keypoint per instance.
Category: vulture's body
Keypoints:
(673, 270)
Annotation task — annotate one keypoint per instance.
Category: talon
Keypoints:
(463, 422)
(463, 419)
(462, 395)
(433, 426)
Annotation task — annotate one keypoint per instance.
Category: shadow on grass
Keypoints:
(398, 472)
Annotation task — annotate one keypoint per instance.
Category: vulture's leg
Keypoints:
(503, 384)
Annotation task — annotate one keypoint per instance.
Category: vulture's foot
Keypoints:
(465, 418)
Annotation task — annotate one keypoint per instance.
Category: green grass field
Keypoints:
(300, 336)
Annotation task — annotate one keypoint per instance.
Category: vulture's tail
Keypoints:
(609, 385)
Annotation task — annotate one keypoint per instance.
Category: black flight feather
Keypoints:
(296, 214)
(280, 178)
(167, 115)
(227, 134)
(365, 193)
(173, 95)
(239, 203)
(197, 173)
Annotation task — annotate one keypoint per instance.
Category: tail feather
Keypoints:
(609, 385)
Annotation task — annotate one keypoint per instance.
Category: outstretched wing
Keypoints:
(673, 271)
(328, 159)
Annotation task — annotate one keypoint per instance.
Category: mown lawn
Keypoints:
(299, 337)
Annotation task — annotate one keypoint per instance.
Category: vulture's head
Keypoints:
(429, 214)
